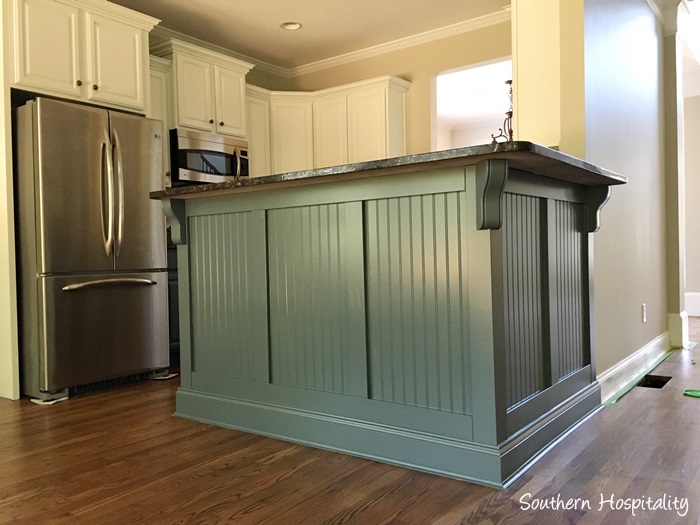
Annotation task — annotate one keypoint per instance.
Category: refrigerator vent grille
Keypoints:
(109, 383)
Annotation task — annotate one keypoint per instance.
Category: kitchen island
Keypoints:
(432, 311)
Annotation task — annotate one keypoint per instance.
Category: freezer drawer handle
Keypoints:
(108, 282)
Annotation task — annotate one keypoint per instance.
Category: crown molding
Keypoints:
(163, 33)
(404, 43)
(115, 12)
(500, 17)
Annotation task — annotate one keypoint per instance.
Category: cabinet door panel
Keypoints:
(195, 104)
(258, 115)
(47, 52)
(292, 136)
(115, 71)
(330, 132)
(367, 116)
(230, 102)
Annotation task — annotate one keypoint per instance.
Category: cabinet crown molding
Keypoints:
(399, 84)
(168, 47)
(115, 12)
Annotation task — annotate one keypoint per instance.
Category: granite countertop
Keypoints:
(525, 156)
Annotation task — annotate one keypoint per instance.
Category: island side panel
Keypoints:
(418, 301)
(228, 295)
(541, 306)
(317, 301)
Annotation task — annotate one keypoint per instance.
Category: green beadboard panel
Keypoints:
(228, 294)
(526, 349)
(417, 301)
(570, 337)
(317, 322)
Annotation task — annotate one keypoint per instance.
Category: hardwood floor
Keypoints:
(119, 456)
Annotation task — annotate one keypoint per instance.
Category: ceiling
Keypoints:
(331, 28)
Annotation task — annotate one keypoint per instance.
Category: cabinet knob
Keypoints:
(211, 121)
(95, 87)
(221, 123)
(79, 83)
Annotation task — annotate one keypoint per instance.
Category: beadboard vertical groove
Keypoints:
(317, 331)
(569, 294)
(225, 323)
(525, 345)
(416, 306)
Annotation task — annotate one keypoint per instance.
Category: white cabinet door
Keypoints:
(258, 115)
(330, 131)
(229, 87)
(291, 123)
(47, 50)
(194, 93)
(367, 125)
(116, 64)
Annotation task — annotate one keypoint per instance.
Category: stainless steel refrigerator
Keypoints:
(91, 257)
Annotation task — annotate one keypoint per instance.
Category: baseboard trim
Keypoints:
(491, 465)
(618, 379)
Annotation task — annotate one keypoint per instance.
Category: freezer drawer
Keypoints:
(97, 327)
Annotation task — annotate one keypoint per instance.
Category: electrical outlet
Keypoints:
(644, 312)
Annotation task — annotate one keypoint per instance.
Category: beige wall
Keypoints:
(420, 65)
(692, 194)
(624, 132)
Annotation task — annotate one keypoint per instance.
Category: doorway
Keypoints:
(471, 104)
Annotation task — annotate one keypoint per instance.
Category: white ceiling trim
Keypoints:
(403, 43)
(388, 47)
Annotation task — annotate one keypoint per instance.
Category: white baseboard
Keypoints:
(692, 303)
(618, 377)
(678, 330)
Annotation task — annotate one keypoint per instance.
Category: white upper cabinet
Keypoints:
(360, 122)
(330, 131)
(209, 88)
(116, 72)
(194, 103)
(291, 131)
(258, 116)
(356, 122)
(89, 50)
(229, 92)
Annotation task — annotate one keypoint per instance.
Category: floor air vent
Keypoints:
(653, 381)
(108, 383)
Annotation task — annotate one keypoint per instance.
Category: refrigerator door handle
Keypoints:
(108, 174)
(108, 282)
(119, 168)
(238, 163)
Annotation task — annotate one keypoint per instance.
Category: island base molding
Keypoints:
(495, 466)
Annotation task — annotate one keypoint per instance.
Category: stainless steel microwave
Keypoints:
(206, 157)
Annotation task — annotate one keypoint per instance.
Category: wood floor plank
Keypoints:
(119, 457)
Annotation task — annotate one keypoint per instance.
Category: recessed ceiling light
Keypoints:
(290, 26)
